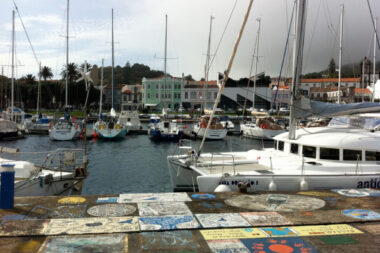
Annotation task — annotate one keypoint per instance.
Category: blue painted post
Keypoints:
(7, 191)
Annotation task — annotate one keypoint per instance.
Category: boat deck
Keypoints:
(311, 221)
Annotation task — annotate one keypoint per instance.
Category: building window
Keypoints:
(329, 153)
(208, 96)
(308, 151)
(156, 95)
(148, 86)
(169, 95)
(148, 95)
(157, 86)
(193, 95)
(162, 95)
(215, 95)
(186, 95)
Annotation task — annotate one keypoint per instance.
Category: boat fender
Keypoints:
(243, 187)
(304, 186)
(272, 186)
(49, 125)
(76, 126)
(222, 188)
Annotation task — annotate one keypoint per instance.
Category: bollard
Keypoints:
(7, 186)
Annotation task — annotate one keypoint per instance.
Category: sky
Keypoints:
(139, 32)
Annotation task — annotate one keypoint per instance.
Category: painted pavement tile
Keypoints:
(279, 231)
(107, 200)
(283, 244)
(318, 193)
(23, 227)
(358, 192)
(65, 211)
(224, 246)
(111, 210)
(153, 197)
(72, 200)
(95, 225)
(232, 233)
(21, 244)
(276, 202)
(163, 209)
(203, 196)
(373, 229)
(86, 243)
(340, 229)
(181, 241)
(7, 217)
(266, 219)
(168, 222)
(221, 220)
(361, 214)
(338, 240)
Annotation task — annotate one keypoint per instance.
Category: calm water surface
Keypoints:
(134, 164)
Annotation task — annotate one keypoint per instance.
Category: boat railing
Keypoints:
(225, 162)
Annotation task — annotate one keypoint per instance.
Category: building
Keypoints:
(107, 91)
(195, 93)
(162, 92)
(131, 97)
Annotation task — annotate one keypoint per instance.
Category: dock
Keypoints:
(310, 221)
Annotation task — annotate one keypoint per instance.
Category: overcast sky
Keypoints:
(140, 33)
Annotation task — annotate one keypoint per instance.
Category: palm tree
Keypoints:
(72, 71)
(46, 73)
(29, 79)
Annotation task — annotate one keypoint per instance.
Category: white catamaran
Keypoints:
(344, 155)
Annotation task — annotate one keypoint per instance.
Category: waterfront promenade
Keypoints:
(311, 221)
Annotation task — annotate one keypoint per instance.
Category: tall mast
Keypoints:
(298, 55)
(113, 63)
(13, 62)
(207, 66)
(165, 50)
(39, 90)
(101, 89)
(374, 62)
(67, 54)
(340, 51)
(257, 59)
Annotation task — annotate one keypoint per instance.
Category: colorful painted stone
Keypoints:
(203, 196)
(163, 209)
(111, 210)
(361, 214)
(64, 211)
(153, 197)
(265, 219)
(281, 231)
(106, 200)
(358, 192)
(168, 222)
(72, 200)
(338, 240)
(181, 240)
(222, 220)
(283, 245)
(222, 246)
(232, 233)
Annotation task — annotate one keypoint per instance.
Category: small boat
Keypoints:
(9, 130)
(226, 122)
(264, 128)
(215, 132)
(37, 124)
(166, 130)
(111, 128)
(131, 120)
(65, 129)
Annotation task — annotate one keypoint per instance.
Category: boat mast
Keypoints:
(207, 65)
(374, 62)
(39, 89)
(297, 54)
(165, 52)
(101, 89)
(13, 63)
(67, 54)
(340, 51)
(257, 59)
(113, 63)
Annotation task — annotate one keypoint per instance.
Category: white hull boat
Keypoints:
(65, 131)
(252, 131)
(130, 119)
(215, 132)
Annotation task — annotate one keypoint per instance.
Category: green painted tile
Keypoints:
(338, 239)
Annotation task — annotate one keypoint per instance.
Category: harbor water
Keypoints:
(134, 164)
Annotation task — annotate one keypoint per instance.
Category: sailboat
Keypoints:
(111, 128)
(65, 128)
(344, 154)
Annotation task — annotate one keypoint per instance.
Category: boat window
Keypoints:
(352, 155)
(281, 145)
(275, 144)
(294, 148)
(308, 151)
(329, 153)
(372, 156)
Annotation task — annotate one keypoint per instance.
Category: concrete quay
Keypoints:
(310, 221)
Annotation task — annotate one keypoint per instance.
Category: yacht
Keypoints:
(263, 128)
(215, 132)
(111, 128)
(65, 129)
(131, 120)
(166, 130)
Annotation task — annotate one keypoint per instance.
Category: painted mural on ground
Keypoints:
(279, 231)
(72, 200)
(111, 210)
(203, 196)
(20, 244)
(340, 229)
(232, 233)
(65, 211)
(318, 193)
(86, 243)
(220, 220)
(92, 225)
(107, 200)
(168, 222)
(265, 219)
(153, 197)
(277, 245)
(230, 246)
(276, 202)
(361, 214)
(358, 192)
(23, 227)
(163, 209)
(182, 241)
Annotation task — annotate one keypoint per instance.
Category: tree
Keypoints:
(72, 71)
(332, 68)
(46, 73)
(189, 78)
(29, 79)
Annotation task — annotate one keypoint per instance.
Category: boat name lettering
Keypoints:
(373, 183)
(235, 182)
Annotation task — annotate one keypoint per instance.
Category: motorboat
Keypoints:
(166, 130)
(226, 122)
(215, 132)
(61, 172)
(263, 128)
(131, 120)
(37, 124)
